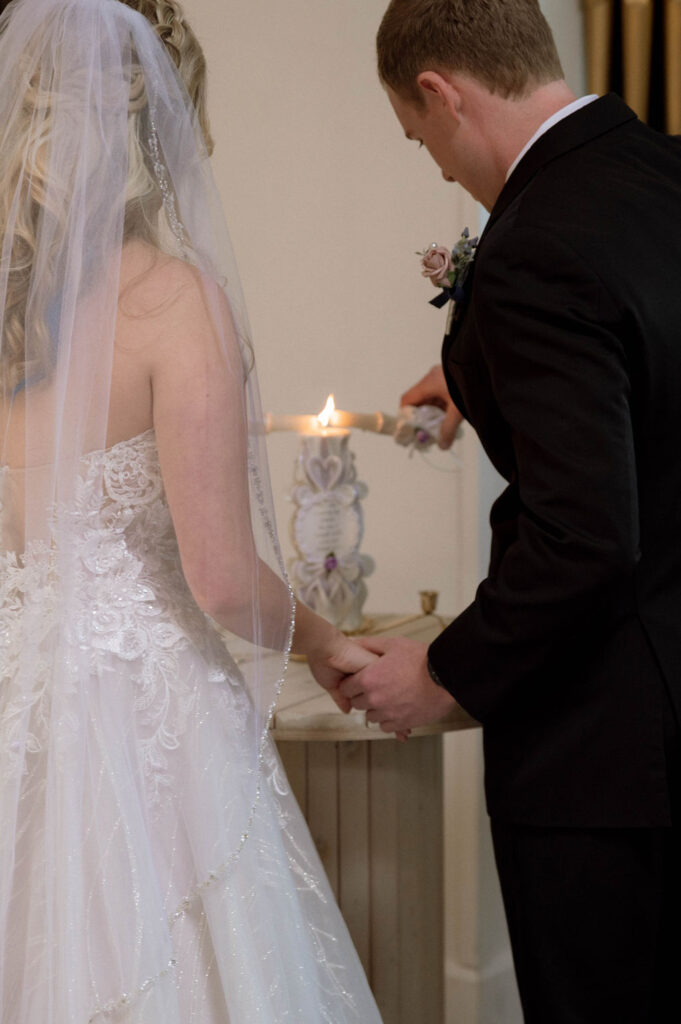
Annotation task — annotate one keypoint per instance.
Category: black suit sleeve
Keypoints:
(552, 340)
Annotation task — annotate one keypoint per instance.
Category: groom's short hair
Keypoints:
(505, 44)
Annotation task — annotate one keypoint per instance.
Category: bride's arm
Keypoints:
(198, 395)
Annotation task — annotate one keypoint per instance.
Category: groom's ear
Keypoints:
(439, 92)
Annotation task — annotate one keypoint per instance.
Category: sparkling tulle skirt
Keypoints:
(136, 897)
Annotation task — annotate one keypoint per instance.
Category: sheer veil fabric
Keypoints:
(96, 758)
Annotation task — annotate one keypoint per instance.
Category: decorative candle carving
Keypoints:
(327, 527)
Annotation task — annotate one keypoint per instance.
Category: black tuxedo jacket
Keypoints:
(566, 358)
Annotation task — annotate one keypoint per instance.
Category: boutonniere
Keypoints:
(448, 270)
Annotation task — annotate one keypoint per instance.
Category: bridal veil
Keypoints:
(99, 143)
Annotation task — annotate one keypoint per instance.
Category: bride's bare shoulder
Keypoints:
(166, 305)
(155, 286)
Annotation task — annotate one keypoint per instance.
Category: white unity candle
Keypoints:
(328, 572)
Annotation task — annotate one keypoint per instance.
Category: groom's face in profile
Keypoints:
(421, 124)
(454, 142)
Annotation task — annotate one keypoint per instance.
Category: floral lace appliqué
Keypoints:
(132, 605)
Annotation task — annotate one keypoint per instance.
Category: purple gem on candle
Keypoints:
(422, 436)
(331, 562)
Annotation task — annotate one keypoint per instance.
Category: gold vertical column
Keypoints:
(672, 63)
(637, 40)
(598, 27)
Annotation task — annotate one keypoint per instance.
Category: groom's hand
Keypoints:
(336, 662)
(397, 691)
(432, 390)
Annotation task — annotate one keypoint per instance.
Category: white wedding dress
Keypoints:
(171, 887)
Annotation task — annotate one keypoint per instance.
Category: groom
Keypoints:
(565, 355)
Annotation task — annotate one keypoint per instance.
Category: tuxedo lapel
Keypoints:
(459, 348)
(574, 131)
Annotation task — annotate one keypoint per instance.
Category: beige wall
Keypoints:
(327, 203)
(567, 23)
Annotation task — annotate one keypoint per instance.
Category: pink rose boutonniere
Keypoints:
(448, 270)
(437, 265)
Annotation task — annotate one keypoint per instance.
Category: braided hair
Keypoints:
(168, 21)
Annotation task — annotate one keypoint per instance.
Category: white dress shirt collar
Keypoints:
(549, 123)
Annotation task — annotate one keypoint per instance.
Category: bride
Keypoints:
(154, 867)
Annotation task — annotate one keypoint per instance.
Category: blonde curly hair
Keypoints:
(27, 162)
(168, 20)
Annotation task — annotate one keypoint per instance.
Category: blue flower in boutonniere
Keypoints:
(448, 270)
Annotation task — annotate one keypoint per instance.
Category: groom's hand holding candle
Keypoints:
(432, 390)
(397, 691)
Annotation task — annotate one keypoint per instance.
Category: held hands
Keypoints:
(396, 690)
(334, 661)
(341, 661)
(432, 390)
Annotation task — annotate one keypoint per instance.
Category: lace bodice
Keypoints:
(131, 604)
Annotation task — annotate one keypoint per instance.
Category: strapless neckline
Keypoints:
(136, 439)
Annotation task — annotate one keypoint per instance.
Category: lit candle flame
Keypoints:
(324, 417)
